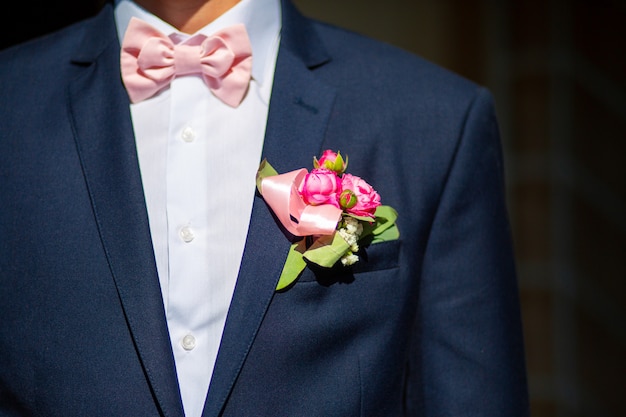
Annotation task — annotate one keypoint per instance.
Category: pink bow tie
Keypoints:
(150, 61)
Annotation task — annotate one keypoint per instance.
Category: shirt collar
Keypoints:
(262, 19)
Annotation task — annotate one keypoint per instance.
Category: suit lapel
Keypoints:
(299, 112)
(99, 108)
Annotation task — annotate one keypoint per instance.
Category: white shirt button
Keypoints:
(188, 342)
(188, 134)
(186, 234)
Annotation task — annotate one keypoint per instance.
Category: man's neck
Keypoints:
(188, 16)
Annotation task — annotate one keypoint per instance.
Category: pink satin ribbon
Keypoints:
(300, 219)
(150, 61)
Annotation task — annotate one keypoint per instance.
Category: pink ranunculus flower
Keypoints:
(331, 160)
(367, 198)
(321, 186)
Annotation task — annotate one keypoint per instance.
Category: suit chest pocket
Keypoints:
(375, 258)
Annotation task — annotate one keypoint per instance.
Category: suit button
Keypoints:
(188, 342)
(186, 234)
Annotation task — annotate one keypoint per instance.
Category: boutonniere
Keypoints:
(332, 212)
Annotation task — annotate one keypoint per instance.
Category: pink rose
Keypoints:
(321, 186)
(331, 160)
(367, 198)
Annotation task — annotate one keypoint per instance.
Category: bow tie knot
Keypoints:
(150, 61)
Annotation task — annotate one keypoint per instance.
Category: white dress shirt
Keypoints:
(198, 159)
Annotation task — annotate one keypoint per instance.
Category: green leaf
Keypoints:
(366, 219)
(344, 162)
(265, 170)
(339, 167)
(327, 250)
(390, 233)
(385, 218)
(384, 226)
(294, 265)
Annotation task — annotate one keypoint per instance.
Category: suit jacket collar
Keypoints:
(98, 104)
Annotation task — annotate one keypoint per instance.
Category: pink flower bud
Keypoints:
(331, 160)
(367, 198)
(347, 199)
(321, 186)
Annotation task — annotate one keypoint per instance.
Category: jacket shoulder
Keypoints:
(366, 61)
(47, 57)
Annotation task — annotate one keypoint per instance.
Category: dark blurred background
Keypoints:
(557, 69)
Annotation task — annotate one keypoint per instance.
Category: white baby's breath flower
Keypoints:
(349, 259)
(350, 238)
(350, 230)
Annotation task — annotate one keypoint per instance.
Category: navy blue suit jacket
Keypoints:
(427, 325)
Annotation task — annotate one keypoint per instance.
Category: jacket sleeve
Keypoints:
(467, 356)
